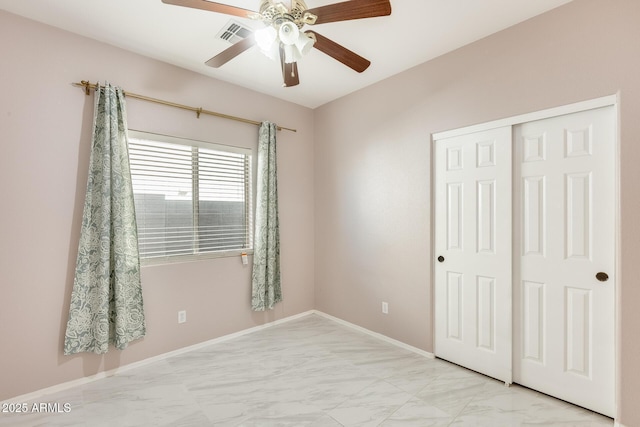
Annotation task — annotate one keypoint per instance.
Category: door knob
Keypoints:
(603, 277)
(440, 258)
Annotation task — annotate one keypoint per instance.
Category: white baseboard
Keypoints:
(376, 335)
(85, 380)
(105, 374)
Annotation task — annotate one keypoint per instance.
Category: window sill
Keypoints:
(148, 262)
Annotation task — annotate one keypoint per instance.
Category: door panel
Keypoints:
(454, 306)
(454, 216)
(533, 330)
(533, 231)
(579, 314)
(486, 216)
(486, 313)
(473, 282)
(564, 235)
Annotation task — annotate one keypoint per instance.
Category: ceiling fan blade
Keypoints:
(289, 71)
(230, 53)
(290, 74)
(212, 7)
(352, 9)
(340, 53)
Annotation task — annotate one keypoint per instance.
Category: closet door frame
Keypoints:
(606, 101)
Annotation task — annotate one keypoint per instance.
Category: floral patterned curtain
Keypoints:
(106, 301)
(266, 287)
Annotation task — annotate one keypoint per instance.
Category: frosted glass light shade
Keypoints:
(289, 33)
(265, 37)
(304, 43)
(295, 43)
(291, 54)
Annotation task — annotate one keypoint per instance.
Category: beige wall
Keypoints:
(45, 132)
(373, 163)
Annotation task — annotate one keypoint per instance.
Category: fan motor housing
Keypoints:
(277, 13)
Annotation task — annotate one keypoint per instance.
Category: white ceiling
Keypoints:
(416, 31)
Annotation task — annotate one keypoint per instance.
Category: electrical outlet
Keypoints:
(385, 308)
(182, 316)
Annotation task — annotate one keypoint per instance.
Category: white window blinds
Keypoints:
(191, 198)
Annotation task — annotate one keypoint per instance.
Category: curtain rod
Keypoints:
(87, 86)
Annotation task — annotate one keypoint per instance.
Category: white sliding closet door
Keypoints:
(473, 289)
(564, 222)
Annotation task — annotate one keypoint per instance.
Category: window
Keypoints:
(193, 199)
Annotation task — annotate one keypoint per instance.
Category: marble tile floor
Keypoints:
(310, 371)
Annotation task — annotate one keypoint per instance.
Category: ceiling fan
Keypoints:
(282, 38)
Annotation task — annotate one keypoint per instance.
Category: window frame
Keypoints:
(248, 191)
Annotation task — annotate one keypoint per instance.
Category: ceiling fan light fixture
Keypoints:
(267, 42)
(295, 52)
(289, 33)
(265, 37)
(291, 54)
(304, 43)
(282, 32)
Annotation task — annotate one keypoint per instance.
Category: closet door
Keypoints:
(564, 257)
(473, 289)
